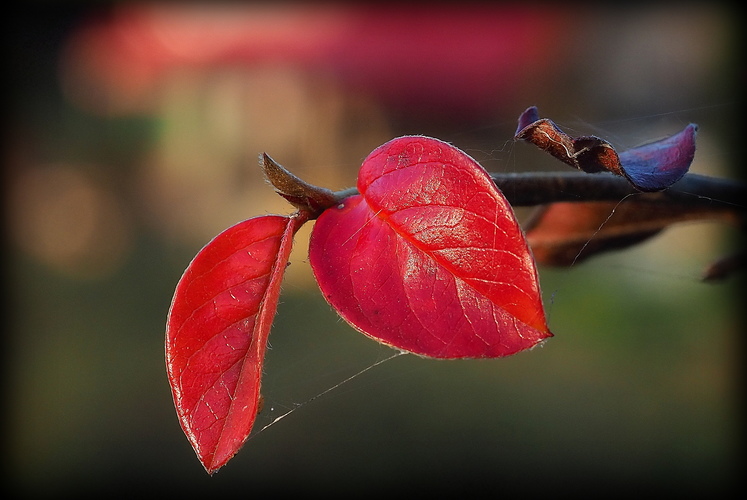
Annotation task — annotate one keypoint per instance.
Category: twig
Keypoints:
(526, 189)
(539, 188)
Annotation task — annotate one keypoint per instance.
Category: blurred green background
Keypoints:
(131, 139)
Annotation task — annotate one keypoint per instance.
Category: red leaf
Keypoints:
(566, 233)
(563, 234)
(652, 167)
(429, 257)
(217, 330)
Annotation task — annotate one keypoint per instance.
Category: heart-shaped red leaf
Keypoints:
(217, 329)
(429, 258)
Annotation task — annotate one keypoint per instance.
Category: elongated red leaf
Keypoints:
(429, 257)
(217, 329)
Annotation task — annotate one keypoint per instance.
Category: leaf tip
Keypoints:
(529, 116)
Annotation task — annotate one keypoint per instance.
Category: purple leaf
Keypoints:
(658, 165)
(652, 167)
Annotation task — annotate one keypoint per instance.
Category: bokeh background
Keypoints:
(132, 137)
